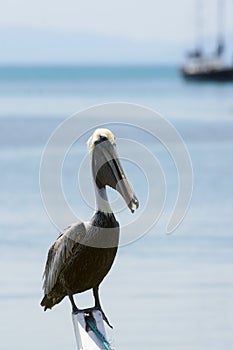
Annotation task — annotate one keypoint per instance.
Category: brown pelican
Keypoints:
(84, 252)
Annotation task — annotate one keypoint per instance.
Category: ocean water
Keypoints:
(164, 291)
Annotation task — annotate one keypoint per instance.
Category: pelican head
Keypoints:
(106, 167)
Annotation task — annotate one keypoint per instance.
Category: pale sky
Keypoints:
(138, 24)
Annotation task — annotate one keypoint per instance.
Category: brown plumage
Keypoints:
(76, 261)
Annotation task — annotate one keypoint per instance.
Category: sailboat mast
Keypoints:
(199, 25)
(221, 26)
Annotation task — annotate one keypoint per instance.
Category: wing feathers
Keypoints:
(60, 252)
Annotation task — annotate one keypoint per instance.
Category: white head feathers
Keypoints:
(97, 135)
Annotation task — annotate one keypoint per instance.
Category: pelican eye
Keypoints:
(101, 139)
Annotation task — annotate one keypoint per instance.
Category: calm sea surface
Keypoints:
(164, 291)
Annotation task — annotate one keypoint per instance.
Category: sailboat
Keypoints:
(200, 66)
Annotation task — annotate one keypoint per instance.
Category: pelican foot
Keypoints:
(75, 310)
(91, 309)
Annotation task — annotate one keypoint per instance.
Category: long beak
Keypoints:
(107, 171)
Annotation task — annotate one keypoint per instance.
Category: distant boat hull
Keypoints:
(223, 74)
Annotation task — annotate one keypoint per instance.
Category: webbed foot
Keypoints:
(91, 309)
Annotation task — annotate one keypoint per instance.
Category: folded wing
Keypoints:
(60, 253)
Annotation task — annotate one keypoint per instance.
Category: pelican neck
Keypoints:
(101, 200)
